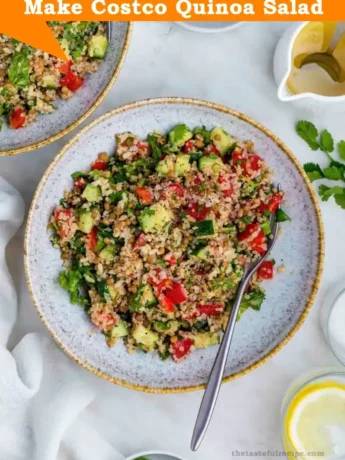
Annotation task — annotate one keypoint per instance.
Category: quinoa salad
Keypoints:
(31, 80)
(154, 237)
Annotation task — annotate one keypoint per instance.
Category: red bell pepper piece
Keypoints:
(181, 349)
(166, 303)
(64, 220)
(250, 230)
(224, 180)
(176, 293)
(212, 149)
(145, 195)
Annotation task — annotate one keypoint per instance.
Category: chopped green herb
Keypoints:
(326, 142)
(308, 132)
(313, 171)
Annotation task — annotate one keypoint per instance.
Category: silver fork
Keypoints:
(108, 27)
(210, 397)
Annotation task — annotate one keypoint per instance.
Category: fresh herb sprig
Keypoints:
(335, 171)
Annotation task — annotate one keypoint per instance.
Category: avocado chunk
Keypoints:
(154, 218)
(85, 222)
(145, 337)
(211, 163)
(205, 339)
(98, 46)
(92, 193)
(108, 253)
(182, 164)
(120, 330)
(147, 298)
(205, 228)
(180, 135)
(202, 252)
(222, 140)
(166, 165)
(50, 81)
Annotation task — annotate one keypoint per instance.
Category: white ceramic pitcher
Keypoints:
(282, 68)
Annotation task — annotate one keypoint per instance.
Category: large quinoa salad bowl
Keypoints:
(151, 214)
(42, 97)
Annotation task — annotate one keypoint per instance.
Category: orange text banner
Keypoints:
(25, 20)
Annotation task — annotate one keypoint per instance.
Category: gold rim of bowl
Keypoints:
(55, 137)
(220, 108)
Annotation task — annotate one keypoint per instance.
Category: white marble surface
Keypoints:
(234, 69)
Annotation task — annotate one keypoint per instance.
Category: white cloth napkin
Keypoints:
(41, 397)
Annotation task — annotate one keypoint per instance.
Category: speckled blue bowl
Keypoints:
(258, 335)
(69, 114)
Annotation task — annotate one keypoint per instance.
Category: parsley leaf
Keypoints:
(341, 149)
(326, 142)
(326, 192)
(308, 132)
(313, 170)
(19, 69)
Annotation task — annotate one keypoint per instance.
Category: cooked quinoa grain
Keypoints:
(31, 80)
(157, 237)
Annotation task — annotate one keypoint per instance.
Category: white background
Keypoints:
(234, 69)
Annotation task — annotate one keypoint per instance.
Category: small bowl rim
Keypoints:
(306, 95)
(154, 452)
(328, 338)
(92, 108)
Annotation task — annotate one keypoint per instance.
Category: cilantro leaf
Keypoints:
(308, 132)
(326, 192)
(341, 149)
(340, 199)
(313, 170)
(326, 142)
(334, 173)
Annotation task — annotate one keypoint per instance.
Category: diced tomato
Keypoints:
(103, 320)
(64, 67)
(226, 186)
(80, 183)
(181, 349)
(172, 188)
(188, 147)
(143, 146)
(72, 81)
(274, 202)
(238, 157)
(265, 271)
(258, 244)
(251, 165)
(211, 309)
(140, 241)
(250, 230)
(166, 283)
(196, 211)
(211, 148)
(171, 261)
(91, 239)
(176, 293)
(64, 220)
(17, 118)
(145, 195)
(99, 165)
(166, 303)
(155, 274)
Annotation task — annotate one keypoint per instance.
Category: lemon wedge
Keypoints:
(315, 420)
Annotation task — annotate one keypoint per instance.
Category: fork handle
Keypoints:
(213, 386)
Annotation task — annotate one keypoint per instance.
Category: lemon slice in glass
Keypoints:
(315, 421)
